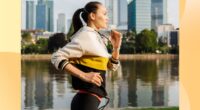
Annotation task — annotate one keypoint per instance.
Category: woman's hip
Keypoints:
(85, 101)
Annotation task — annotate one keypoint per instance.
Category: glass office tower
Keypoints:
(30, 14)
(44, 15)
(146, 14)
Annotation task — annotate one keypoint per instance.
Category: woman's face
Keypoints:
(100, 19)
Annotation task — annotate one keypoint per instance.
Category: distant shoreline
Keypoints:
(122, 56)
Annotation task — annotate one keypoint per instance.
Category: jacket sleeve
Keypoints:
(60, 58)
(113, 64)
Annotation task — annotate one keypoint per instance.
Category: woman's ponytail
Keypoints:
(80, 16)
(76, 20)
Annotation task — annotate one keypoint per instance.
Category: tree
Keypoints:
(56, 41)
(128, 43)
(26, 41)
(162, 41)
(70, 32)
(162, 45)
(26, 38)
(174, 50)
(146, 41)
(42, 45)
(31, 48)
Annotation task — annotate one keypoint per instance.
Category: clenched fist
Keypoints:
(116, 39)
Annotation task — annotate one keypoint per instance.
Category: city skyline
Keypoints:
(61, 25)
(45, 15)
(63, 7)
(139, 15)
(30, 15)
(147, 14)
(117, 13)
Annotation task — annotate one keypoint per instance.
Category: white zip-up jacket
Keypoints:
(86, 48)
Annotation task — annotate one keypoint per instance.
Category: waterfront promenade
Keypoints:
(122, 56)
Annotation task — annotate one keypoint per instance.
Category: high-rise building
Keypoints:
(173, 40)
(139, 15)
(146, 14)
(158, 13)
(44, 15)
(112, 6)
(168, 34)
(164, 29)
(69, 22)
(41, 15)
(123, 15)
(30, 15)
(117, 13)
(61, 23)
(50, 13)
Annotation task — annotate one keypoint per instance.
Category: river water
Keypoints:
(137, 83)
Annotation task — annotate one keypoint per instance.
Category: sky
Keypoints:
(70, 6)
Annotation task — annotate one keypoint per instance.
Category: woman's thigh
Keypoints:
(82, 101)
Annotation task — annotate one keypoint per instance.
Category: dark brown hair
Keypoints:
(89, 8)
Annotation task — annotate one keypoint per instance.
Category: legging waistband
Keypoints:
(86, 92)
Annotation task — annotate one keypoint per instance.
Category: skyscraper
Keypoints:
(44, 15)
(50, 13)
(158, 13)
(69, 22)
(122, 15)
(146, 14)
(61, 23)
(30, 15)
(112, 8)
(41, 15)
(139, 15)
(117, 13)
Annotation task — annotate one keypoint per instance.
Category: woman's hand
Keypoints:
(116, 39)
(92, 77)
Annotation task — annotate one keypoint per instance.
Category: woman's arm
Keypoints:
(91, 77)
(60, 59)
(116, 38)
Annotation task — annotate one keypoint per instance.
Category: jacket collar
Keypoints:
(89, 28)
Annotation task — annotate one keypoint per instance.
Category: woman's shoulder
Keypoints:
(85, 33)
(87, 30)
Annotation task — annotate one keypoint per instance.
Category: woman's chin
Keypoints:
(105, 27)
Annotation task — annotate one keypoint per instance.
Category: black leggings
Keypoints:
(83, 101)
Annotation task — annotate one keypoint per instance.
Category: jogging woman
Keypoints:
(86, 57)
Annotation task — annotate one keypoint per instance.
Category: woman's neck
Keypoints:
(93, 26)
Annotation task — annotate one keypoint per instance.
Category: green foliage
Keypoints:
(162, 41)
(26, 38)
(128, 43)
(164, 49)
(127, 48)
(109, 47)
(42, 45)
(143, 42)
(39, 48)
(174, 50)
(31, 48)
(163, 46)
(56, 41)
(146, 41)
(70, 32)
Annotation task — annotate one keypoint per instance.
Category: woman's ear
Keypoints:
(92, 16)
